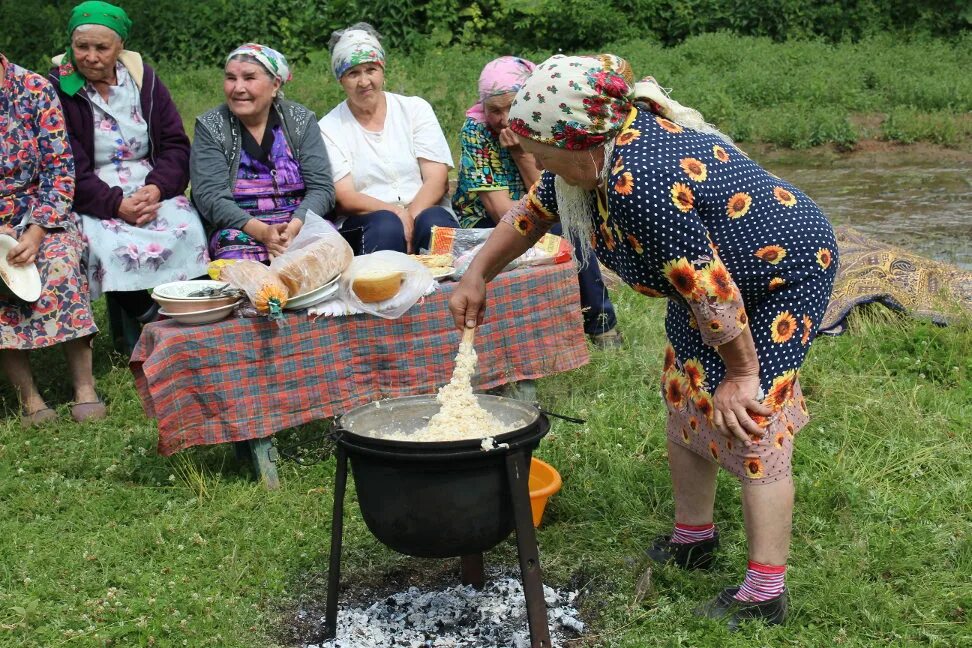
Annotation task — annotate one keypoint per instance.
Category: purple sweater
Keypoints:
(168, 149)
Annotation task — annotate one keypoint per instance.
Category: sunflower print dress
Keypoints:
(688, 217)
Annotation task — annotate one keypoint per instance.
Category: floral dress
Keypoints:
(121, 256)
(689, 217)
(484, 165)
(36, 188)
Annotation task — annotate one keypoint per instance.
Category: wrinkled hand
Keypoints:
(408, 223)
(733, 401)
(274, 237)
(508, 139)
(468, 302)
(141, 207)
(28, 245)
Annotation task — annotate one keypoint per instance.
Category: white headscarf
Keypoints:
(353, 46)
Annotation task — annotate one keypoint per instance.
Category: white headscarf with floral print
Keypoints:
(579, 102)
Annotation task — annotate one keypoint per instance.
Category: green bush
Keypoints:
(200, 33)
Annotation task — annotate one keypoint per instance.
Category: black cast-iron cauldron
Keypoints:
(436, 499)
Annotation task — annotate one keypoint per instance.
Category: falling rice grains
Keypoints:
(456, 617)
(461, 416)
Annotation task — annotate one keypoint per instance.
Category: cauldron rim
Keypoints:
(349, 438)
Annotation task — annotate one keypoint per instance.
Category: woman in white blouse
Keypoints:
(389, 158)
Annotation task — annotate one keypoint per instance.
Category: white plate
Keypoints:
(313, 297)
(442, 272)
(201, 317)
(23, 281)
(180, 289)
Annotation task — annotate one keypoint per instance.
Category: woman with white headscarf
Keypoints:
(389, 158)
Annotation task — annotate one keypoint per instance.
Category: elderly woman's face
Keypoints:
(96, 49)
(497, 110)
(363, 83)
(577, 168)
(249, 88)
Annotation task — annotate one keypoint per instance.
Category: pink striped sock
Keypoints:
(762, 582)
(689, 533)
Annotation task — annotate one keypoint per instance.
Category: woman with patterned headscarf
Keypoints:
(745, 259)
(132, 158)
(495, 171)
(259, 166)
(388, 155)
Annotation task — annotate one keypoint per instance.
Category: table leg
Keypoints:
(524, 390)
(473, 570)
(517, 472)
(337, 531)
(265, 462)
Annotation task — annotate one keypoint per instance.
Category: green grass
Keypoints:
(102, 542)
(796, 94)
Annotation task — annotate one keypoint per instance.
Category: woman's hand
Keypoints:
(142, 206)
(408, 223)
(468, 301)
(27, 246)
(508, 139)
(734, 399)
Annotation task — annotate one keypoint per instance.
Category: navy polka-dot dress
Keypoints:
(689, 217)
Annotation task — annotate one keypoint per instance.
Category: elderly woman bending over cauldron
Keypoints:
(132, 164)
(745, 260)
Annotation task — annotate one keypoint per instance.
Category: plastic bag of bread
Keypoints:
(317, 255)
(261, 285)
(385, 283)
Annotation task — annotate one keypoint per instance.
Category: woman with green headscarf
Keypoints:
(132, 158)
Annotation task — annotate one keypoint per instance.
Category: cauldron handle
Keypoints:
(569, 419)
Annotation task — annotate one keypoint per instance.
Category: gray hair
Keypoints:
(80, 29)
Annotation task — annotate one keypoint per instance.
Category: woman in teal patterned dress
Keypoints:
(36, 190)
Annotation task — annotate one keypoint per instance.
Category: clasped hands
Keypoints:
(142, 206)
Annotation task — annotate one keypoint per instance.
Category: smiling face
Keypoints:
(576, 168)
(249, 88)
(363, 84)
(96, 49)
(497, 111)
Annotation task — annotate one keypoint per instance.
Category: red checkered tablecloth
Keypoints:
(243, 379)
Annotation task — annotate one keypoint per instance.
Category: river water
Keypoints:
(920, 200)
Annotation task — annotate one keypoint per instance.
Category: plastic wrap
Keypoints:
(260, 283)
(318, 254)
(415, 283)
(464, 244)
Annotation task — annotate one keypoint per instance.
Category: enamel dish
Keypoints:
(21, 281)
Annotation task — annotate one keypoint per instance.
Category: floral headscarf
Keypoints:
(579, 102)
(271, 59)
(353, 46)
(500, 76)
(90, 13)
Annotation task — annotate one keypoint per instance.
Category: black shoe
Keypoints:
(725, 606)
(149, 316)
(691, 555)
(607, 340)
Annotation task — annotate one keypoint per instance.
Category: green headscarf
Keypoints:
(91, 13)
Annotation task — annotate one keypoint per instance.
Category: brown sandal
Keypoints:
(38, 417)
(94, 411)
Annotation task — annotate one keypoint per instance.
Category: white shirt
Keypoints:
(384, 164)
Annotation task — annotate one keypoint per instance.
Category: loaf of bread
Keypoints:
(377, 285)
(313, 266)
